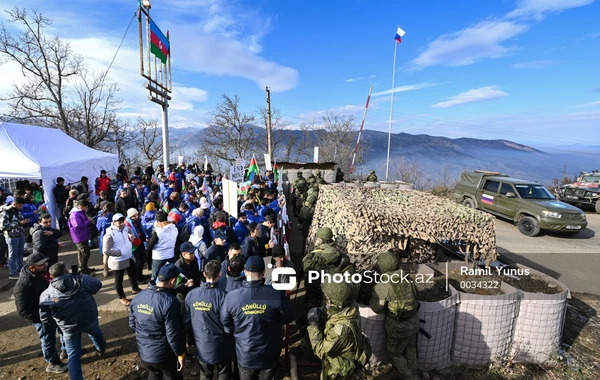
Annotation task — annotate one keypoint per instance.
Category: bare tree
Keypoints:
(412, 172)
(306, 144)
(289, 146)
(337, 143)
(278, 124)
(231, 134)
(120, 140)
(148, 140)
(57, 91)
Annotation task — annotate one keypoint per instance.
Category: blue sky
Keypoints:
(521, 70)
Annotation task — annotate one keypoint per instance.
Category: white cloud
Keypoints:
(198, 52)
(410, 87)
(475, 95)
(540, 8)
(592, 104)
(480, 41)
(534, 64)
(358, 79)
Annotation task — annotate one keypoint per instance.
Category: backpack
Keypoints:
(184, 234)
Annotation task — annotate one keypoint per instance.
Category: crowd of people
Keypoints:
(208, 287)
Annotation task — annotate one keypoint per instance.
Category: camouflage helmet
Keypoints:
(317, 173)
(311, 199)
(299, 173)
(302, 182)
(372, 171)
(330, 255)
(387, 262)
(311, 176)
(311, 191)
(325, 234)
(339, 295)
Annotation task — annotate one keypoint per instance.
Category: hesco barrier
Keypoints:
(539, 325)
(439, 320)
(484, 324)
(373, 327)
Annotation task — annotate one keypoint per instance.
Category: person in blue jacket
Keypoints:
(69, 300)
(155, 317)
(241, 227)
(255, 314)
(201, 316)
(234, 274)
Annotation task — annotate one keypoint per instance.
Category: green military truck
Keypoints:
(528, 204)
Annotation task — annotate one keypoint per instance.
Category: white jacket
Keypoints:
(164, 248)
(117, 247)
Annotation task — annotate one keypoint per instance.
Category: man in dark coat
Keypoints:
(155, 317)
(45, 239)
(201, 316)
(33, 281)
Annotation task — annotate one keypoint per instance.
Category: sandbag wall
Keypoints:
(367, 221)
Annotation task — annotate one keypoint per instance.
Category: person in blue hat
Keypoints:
(155, 317)
(201, 316)
(254, 314)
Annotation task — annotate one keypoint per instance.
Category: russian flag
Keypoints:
(487, 199)
(399, 34)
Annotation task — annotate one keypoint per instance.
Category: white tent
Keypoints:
(44, 153)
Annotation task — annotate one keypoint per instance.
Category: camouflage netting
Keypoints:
(367, 221)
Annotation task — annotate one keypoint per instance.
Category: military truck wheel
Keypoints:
(598, 206)
(468, 202)
(529, 226)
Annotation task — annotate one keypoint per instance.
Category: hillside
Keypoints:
(436, 155)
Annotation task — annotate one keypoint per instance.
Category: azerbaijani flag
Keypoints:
(159, 44)
(154, 180)
(399, 34)
(275, 172)
(253, 170)
(245, 186)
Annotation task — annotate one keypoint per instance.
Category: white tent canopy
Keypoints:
(44, 153)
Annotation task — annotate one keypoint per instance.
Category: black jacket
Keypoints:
(27, 294)
(191, 271)
(249, 247)
(46, 245)
(202, 316)
(60, 195)
(216, 252)
(155, 317)
(123, 204)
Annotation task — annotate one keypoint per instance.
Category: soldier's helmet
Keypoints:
(330, 255)
(325, 234)
(311, 191)
(299, 173)
(387, 262)
(311, 176)
(372, 171)
(317, 173)
(301, 183)
(311, 199)
(339, 295)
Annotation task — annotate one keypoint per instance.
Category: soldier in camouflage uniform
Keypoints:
(318, 177)
(306, 216)
(338, 341)
(372, 177)
(299, 196)
(315, 260)
(339, 175)
(399, 302)
(295, 192)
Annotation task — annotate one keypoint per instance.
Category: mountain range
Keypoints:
(431, 159)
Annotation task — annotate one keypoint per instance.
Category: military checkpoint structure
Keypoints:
(472, 312)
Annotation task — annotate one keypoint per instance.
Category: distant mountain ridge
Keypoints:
(440, 158)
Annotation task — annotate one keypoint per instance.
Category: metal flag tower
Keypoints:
(398, 38)
(158, 70)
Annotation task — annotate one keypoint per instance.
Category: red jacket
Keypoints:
(102, 184)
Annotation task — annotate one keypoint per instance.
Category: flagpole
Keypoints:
(387, 162)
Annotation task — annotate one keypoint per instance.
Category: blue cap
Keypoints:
(220, 234)
(167, 272)
(187, 247)
(255, 264)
